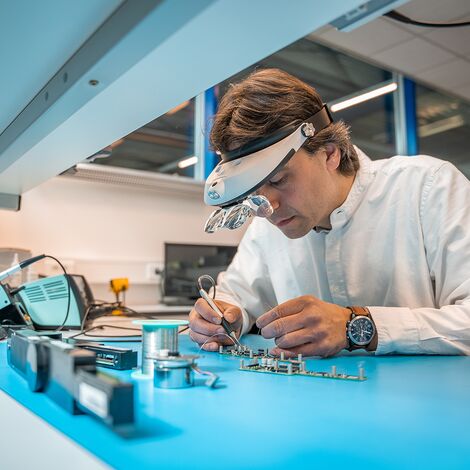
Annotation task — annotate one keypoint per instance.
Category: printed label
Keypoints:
(93, 399)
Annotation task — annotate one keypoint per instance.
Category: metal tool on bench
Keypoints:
(69, 377)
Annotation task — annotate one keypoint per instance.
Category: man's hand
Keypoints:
(306, 325)
(205, 323)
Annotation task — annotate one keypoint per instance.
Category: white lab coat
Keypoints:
(400, 244)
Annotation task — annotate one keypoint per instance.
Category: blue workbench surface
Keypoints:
(412, 412)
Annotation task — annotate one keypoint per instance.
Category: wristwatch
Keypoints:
(360, 329)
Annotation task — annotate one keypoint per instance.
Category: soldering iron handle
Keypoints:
(211, 303)
(227, 326)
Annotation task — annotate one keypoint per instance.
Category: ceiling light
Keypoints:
(187, 162)
(178, 108)
(442, 125)
(364, 97)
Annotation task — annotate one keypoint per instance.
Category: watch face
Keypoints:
(361, 330)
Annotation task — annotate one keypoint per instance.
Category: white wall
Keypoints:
(106, 230)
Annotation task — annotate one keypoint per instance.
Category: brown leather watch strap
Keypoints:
(359, 310)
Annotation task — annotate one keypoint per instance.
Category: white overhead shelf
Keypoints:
(90, 72)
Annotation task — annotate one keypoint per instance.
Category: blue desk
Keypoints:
(412, 412)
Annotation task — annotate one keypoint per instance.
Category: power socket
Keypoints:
(152, 271)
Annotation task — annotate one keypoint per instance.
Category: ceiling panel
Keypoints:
(413, 56)
(456, 40)
(384, 33)
(439, 57)
(452, 74)
(464, 91)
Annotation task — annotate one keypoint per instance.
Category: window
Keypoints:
(336, 75)
(443, 127)
(171, 143)
(163, 145)
(372, 126)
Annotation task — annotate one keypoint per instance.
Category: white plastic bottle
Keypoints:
(15, 279)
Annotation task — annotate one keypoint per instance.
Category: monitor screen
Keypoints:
(185, 263)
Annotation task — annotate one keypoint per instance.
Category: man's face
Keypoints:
(305, 192)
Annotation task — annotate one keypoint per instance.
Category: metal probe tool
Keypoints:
(225, 324)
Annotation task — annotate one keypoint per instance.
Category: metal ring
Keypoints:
(208, 278)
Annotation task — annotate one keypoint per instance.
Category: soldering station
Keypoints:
(36, 314)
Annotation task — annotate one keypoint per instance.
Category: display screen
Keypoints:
(185, 263)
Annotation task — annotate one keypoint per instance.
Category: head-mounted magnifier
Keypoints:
(244, 170)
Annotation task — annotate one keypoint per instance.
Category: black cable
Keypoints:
(129, 312)
(394, 15)
(99, 327)
(85, 316)
(112, 326)
(81, 332)
(107, 306)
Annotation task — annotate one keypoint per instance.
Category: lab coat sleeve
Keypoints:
(246, 282)
(445, 329)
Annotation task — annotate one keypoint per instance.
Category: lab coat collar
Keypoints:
(341, 215)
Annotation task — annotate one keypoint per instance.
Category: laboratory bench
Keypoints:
(411, 412)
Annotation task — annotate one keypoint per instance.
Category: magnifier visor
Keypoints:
(235, 216)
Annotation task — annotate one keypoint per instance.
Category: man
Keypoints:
(391, 236)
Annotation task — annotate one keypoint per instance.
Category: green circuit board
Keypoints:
(261, 361)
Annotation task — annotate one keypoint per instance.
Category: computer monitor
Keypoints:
(183, 265)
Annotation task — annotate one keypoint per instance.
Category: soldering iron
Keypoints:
(225, 324)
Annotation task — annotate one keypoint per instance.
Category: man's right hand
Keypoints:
(205, 324)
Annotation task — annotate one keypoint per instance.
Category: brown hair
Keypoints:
(267, 100)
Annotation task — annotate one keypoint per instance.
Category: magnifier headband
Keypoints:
(242, 171)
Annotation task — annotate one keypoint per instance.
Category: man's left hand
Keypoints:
(306, 325)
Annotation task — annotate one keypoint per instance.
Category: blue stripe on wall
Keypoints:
(410, 117)
(210, 157)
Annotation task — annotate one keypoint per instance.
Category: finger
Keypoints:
(282, 326)
(299, 337)
(200, 325)
(207, 312)
(210, 347)
(291, 340)
(233, 314)
(223, 339)
(321, 347)
(304, 349)
(291, 307)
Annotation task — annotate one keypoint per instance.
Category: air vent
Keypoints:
(56, 290)
(35, 294)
